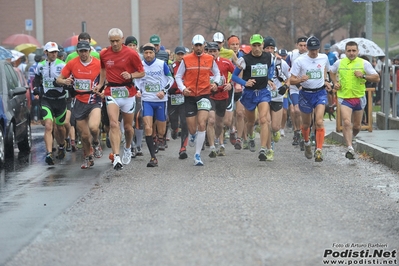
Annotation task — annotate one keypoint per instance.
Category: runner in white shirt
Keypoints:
(310, 71)
(154, 88)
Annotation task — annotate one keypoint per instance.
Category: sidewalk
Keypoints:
(382, 145)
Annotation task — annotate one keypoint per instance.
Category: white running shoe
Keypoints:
(127, 156)
(117, 163)
(197, 160)
(192, 139)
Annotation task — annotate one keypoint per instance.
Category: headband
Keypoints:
(233, 40)
(148, 47)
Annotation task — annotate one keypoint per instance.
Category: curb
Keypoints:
(377, 153)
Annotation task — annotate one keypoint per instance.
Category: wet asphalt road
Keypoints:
(233, 211)
(32, 193)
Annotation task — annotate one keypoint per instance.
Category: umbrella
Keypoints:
(17, 39)
(73, 41)
(366, 47)
(16, 55)
(5, 53)
(26, 48)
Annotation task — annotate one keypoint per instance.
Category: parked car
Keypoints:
(15, 129)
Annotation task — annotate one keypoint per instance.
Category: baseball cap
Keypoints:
(130, 39)
(269, 41)
(218, 37)
(83, 45)
(51, 47)
(245, 48)
(212, 46)
(313, 43)
(282, 52)
(180, 49)
(327, 46)
(301, 39)
(256, 38)
(154, 39)
(198, 39)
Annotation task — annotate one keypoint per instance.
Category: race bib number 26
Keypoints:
(119, 92)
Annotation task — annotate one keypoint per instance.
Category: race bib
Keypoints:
(119, 92)
(259, 71)
(204, 104)
(314, 74)
(149, 87)
(82, 84)
(176, 99)
(48, 83)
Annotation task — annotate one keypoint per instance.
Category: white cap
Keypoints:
(51, 47)
(218, 37)
(198, 39)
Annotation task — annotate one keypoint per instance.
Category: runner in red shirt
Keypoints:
(119, 66)
(82, 72)
(219, 101)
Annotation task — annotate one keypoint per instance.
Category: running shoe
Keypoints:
(87, 162)
(192, 139)
(276, 136)
(161, 144)
(127, 156)
(282, 133)
(49, 158)
(97, 150)
(213, 153)
(222, 151)
(183, 153)
(117, 164)
(350, 154)
(139, 152)
(302, 145)
(61, 153)
(245, 145)
(197, 160)
(91, 160)
(251, 145)
(262, 155)
(133, 150)
(270, 155)
(318, 156)
(153, 162)
(308, 150)
(111, 157)
(68, 145)
(238, 145)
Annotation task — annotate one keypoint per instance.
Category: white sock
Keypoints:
(200, 141)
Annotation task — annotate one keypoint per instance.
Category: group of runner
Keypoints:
(202, 92)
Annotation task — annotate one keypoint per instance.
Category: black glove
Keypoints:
(36, 91)
(282, 89)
